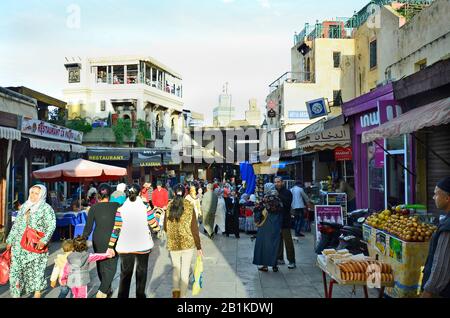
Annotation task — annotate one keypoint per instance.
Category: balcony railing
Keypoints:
(292, 77)
(335, 29)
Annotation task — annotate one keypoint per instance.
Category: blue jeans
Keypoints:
(299, 220)
(63, 291)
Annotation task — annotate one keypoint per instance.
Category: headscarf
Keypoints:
(244, 198)
(33, 207)
(219, 192)
(253, 198)
(121, 187)
(272, 202)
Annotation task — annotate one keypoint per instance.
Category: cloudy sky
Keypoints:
(209, 42)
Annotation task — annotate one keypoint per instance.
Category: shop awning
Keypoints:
(434, 114)
(328, 139)
(264, 168)
(147, 158)
(49, 145)
(78, 149)
(10, 133)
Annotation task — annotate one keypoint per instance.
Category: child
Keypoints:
(60, 263)
(76, 271)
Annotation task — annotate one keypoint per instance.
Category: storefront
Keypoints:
(42, 145)
(325, 153)
(119, 157)
(383, 167)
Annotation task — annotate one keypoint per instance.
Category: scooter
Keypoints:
(351, 237)
(335, 235)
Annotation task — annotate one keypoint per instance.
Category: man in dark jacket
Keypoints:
(286, 236)
(436, 274)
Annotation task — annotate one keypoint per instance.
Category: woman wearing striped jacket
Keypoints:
(132, 240)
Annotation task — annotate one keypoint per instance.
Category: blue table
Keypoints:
(69, 219)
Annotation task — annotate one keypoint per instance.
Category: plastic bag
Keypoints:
(198, 277)
(5, 264)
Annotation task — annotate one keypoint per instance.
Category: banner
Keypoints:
(327, 213)
(43, 129)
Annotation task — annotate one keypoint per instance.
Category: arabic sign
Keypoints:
(335, 134)
(147, 158)
(343, 154)
(317, 108)
(43, 129)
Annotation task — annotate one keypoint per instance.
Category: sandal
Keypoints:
(263, 269)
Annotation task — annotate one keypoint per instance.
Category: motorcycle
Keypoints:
(338, 236)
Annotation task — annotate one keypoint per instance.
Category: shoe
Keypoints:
(101, 295)
(281, 262)
(301, 235)
(263, 269)
(275, 269)
(176, 293)
(292, 266)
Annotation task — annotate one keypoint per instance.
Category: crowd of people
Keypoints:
(124, 221)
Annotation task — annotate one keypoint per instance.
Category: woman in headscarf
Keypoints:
(27, 272)
(195, 201)
(219, 219)
(103, 215)
(182, 238)
(209, 206)
(268, 219)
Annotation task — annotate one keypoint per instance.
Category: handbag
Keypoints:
(5, 264)
(31, 238)
(198, 277)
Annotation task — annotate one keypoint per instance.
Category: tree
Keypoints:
(143, 133)
(80, 124)
(121, 129)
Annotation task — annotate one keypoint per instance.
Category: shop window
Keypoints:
(118, 74)
(102, 74)
(337, 59)
(373, 54)
(132, 74)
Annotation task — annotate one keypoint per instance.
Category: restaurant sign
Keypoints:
(147, 158)
(43, 129)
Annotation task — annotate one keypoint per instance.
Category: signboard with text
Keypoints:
(343, 154)
(43, 129)
(327, 213)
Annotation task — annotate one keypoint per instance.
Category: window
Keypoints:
(102, 74)
(132, 74)
(373, 54)
(118, 74)
(337, 98)
(148, 79)
(102, 105)
(337, 59)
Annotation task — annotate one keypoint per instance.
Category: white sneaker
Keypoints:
(292, 266)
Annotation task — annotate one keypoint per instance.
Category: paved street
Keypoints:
(229, 273)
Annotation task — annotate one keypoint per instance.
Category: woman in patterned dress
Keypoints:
(27, 273)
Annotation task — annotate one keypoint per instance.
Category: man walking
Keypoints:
(299, 202)
(286, 237)
(436, 274)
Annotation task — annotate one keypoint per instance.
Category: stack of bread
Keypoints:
(359, 271)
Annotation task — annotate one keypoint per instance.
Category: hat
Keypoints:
(121, 187)
(444, 184)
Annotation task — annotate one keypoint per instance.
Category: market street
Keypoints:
(229, 273)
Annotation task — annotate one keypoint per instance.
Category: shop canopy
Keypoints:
(49, 145)
(9, 133)
(328, 139)
(434, 114)
(80, 170)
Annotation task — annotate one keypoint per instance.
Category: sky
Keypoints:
(246, 43)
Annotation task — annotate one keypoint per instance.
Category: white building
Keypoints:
(224, 113)
(316, 58)
(133, 87)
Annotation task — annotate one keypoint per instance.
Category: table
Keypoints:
(328, 290)
(69, 219)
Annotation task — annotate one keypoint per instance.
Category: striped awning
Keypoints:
(78, 149)
(434, 114)
(49, 145)
(10, 133)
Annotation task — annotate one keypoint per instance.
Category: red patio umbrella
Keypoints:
(80, 170)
